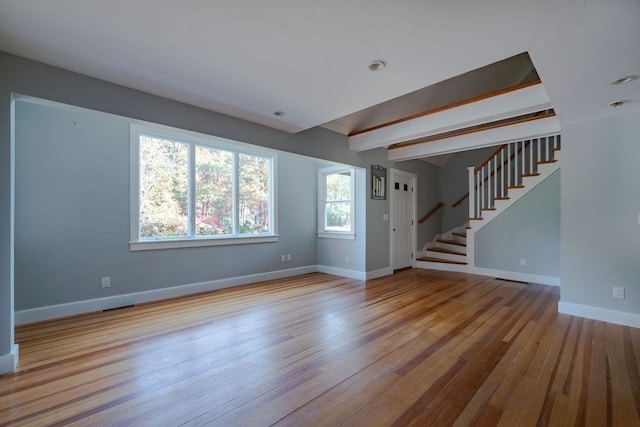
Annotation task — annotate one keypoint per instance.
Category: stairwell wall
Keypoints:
(529, 230)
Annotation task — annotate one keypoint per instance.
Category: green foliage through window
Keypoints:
(191, 190)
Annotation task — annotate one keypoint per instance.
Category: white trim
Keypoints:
(343, 272)
(601, 314)
(523, 101)
(490, 272)
(97, 304)
(336, 235)
(9, 362)
(147, 245)
(379, 273)
(191, 141)
(323, 232)
(514, 275)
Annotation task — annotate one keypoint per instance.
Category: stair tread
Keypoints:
(530, 174)
(446, 251)
(502, 198)
(451, 242)
(517, 186)
(546, 162)
(455, 233)
(445, 261)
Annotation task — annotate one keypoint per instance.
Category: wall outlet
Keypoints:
(618, 292)
(105, 282)
(283, 258)
(346, 259)
(288, 257)
(523, 261)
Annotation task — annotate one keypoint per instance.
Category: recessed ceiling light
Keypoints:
(625, 79)
(278, 113)
(376, 65)
(615, 104)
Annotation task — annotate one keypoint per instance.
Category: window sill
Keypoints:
(147, 245)
(329, 235)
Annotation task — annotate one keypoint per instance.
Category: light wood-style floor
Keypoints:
(418, 348)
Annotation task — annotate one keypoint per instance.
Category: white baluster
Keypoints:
(508, 165)
(481, 185)
(522, 146)
(531, 155)
(472, 192)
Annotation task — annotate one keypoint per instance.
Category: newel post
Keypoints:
(472, 191)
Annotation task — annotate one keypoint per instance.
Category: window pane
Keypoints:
(338, 186)
(338, 216)
(163, 188)
(253, 197)
(214, 191)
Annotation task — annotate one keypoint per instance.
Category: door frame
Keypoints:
(414, 213)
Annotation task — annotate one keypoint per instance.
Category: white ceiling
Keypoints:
(250, 58)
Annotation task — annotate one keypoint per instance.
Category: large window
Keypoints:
(336, 211)
(191, 191)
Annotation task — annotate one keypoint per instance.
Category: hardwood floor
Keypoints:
(417, 348)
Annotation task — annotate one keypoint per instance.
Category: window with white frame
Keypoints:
(336, 203)
(190, 190)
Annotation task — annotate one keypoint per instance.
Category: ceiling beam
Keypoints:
(545, 126)
(505, 104)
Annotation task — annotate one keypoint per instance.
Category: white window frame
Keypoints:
(193, 139)
(322, 202)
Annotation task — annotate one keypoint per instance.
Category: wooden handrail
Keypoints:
(495, 153)
(431, 212)
(448, 107)
(460, 200)
(486, 162)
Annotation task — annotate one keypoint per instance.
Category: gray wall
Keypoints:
(72, 215)
(454, 183)
(600, 208)
(529, 229)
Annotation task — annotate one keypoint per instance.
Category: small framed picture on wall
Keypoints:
(378, 182)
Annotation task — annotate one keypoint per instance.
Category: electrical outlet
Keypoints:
(523, 261)
(288, 257)
(346, 259)
(618, 292)
(283, 258)
(105, 282)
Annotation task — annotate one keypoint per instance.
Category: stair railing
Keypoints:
(505, 169)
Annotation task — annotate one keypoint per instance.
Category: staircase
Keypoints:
(507, 175)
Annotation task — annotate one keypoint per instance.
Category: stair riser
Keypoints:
(446, 256)
(441, 266)
(458, 239)
(451, 247)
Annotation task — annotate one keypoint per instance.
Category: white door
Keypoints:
(402, 219)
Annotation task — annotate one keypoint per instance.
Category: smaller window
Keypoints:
(336, 211)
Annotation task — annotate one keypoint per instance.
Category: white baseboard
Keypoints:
(343, 272)
(9, 362)
(513, 275)
(97, 304)
(379, 273)
(500, 274)
(602, 314)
